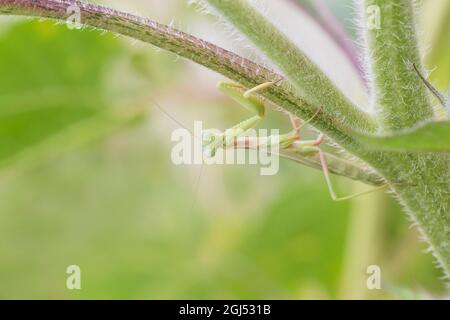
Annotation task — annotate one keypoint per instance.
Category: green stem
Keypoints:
(311, 83)
(401, 100)
(426, 198)
(420, 180)
(205, 53)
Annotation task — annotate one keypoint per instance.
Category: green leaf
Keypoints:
(51, 80)
(433, 136)
(74, 135)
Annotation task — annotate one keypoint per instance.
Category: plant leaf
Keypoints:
(51, 81)
(432, 136)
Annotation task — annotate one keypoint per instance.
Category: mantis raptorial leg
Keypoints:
(252, 103)
(248, 99)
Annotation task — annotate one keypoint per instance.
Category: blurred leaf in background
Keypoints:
(48, 82)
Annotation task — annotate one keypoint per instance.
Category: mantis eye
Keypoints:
(208, 137)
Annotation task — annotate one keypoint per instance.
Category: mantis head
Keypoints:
(212, 140)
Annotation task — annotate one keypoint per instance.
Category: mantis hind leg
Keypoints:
(333, 195)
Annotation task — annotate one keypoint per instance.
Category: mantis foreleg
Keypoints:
(291, 140)
(252, 103)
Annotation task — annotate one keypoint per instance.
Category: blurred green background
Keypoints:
(86, 178)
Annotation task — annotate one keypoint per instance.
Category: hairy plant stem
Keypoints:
(205, 53)
(311, 83)
(402, 101)
(420, 180)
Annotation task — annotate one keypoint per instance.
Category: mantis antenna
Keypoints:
(197, 183)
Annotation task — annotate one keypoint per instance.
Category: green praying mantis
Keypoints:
(307, 152)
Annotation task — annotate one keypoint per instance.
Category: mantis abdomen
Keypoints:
(336, 165)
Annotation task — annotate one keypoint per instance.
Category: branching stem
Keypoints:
(401, 97)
